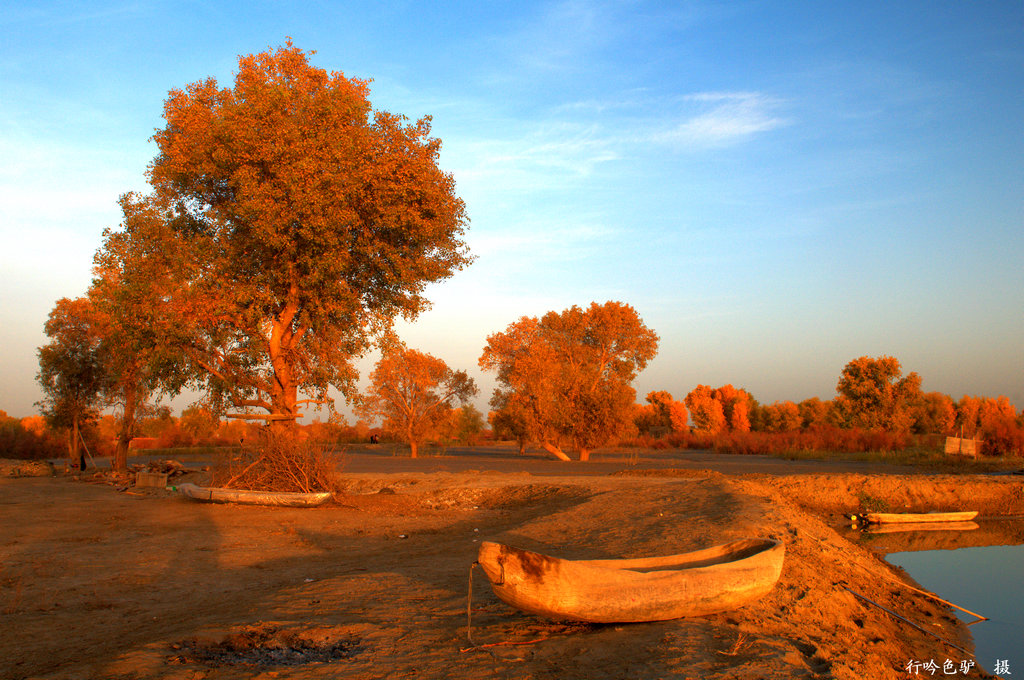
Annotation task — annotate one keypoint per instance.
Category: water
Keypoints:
(988, 580)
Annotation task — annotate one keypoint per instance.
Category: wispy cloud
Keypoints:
(724, 118)
(551, 155)
(573, 140)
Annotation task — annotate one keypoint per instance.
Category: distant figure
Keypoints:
(374, 439)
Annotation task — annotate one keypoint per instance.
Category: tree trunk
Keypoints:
(76, 455)
(522, 447)
(284, 402)
(412, 448)
(555, 451)
(584, 454)
(124, 436)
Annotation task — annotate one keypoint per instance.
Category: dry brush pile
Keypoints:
(283, 462)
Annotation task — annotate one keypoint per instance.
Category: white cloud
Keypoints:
(726, 118)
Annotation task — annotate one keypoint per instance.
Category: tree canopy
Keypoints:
(873, 394)
(299, 222)
(566, 377)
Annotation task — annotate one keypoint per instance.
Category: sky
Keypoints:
(776, 187)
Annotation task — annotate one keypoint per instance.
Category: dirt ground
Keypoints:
(138, 584)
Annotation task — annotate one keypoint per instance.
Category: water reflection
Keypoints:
(958, 565)
(945, 536)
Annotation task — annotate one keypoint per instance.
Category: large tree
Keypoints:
(414, 393)
(302, 223)
(72, 370)
(567, 376)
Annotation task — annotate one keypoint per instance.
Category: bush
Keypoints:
(17, 441)
(821, 438)
(1002, 437)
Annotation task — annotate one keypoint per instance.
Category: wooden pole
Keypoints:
(936, 597)
(91, 459)
(906, 620)
(257, 416)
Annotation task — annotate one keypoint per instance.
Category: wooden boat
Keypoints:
(919, 526)
(647, 589)
(916, 517)
(289, 499)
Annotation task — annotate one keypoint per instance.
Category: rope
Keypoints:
(469, 621)
(469, 607)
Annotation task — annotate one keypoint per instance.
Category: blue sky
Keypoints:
(776, 187)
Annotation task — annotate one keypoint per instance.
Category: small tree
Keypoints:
(813, 412)
(935, 413)
(131, 280)
(414, 393)
(661, 412)
(706, 411)
(735, 407)
(509, 421)
(469, 424)
(874, 395)
(567, 375)
(782, 416)
(72, 370)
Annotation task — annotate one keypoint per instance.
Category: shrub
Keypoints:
(1002, 437)
(18, 441)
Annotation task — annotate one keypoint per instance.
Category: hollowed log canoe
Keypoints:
(917, 517)
(697, 583)
(281, 498)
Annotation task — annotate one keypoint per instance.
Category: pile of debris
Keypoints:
(171, 468)
(26, 468)
(159, 473)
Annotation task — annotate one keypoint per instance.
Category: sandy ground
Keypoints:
(140, 584)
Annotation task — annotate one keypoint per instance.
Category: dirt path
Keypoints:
(101, 584)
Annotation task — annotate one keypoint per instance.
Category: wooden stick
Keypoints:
(247, 468)
(905, 620)
(936, 597)
(87, 452)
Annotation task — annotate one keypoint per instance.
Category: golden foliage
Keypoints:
(565, 378)
(874, 395)
(301, 223)
(415, 394)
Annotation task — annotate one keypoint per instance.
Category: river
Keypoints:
(984, 579)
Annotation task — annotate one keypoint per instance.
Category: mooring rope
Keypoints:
(469, 607)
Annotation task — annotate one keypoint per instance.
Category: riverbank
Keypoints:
(98, 583)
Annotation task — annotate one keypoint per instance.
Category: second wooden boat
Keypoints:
(219, 495)
(905, 527)
(631, 590)
(915, 517)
